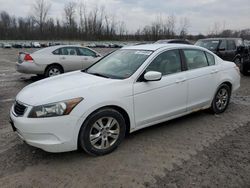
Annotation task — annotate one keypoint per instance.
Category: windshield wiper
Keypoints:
(98, 74)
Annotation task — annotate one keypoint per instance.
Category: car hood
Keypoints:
(54, 89)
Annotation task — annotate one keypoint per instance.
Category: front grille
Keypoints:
(19, 109)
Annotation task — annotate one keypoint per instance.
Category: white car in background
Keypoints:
(131, 88)
(56, 60)
(36, 45)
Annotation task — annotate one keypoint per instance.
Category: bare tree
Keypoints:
(40, 12)
(184, 25)
(171, 21)
(69, 11)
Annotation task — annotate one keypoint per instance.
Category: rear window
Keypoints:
(210, 58)
(195, 59)
(208, 44)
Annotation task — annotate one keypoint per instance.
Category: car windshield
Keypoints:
(120, 64)
(208, 44)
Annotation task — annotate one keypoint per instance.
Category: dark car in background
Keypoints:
(175, 41)
(229, 49)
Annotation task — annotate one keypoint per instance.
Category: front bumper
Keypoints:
(30, 68)
(54, 134)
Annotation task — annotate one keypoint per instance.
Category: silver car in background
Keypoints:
(56, 60)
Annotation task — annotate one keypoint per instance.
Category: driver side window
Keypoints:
(168, 62)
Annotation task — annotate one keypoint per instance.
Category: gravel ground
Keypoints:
(198, 150)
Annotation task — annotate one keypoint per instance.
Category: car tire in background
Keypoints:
(221, 99)
(102, 132)
(53, 70)
(244, 68)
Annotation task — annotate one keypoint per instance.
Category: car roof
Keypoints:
(52, 48)
(154, 47)
(221, 38)
(170, 40)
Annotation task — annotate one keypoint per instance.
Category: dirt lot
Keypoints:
(198, 150)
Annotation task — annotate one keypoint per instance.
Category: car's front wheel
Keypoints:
(102, 132)
(221, 99)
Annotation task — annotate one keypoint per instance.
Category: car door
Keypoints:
(88, 57)
(156, 101)
(231, 50)
(222, 50)
(201, 78)
(69, 59)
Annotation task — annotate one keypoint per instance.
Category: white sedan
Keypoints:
(130, 89)
(56, 60)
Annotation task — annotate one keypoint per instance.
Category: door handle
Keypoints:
(63, 58)
(180, 80)
(214, 71)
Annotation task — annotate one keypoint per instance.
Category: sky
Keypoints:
(202, 14)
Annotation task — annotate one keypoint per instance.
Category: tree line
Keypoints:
(82, 23)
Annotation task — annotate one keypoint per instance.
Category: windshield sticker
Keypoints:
(143, 52)
(215, 41)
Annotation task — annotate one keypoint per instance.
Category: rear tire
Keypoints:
(102, 132)
(221, 99)
(244, 69)
(53, 70)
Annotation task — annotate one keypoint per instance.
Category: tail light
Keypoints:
(28, 57)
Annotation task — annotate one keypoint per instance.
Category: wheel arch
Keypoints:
(227, 82)
(237, 56)
(115, 107)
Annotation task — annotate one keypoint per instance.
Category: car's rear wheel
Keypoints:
(102, 132)
(53, 70)
(221, 99)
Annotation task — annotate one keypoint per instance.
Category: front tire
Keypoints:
(102, 132)
(221, 99)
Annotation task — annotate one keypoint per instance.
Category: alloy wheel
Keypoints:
(222, 99)
(104, 133)
(54, 72)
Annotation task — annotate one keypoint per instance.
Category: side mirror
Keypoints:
(152, 76)
(97, 55)
(221, 49)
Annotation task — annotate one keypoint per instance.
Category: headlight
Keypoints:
(54, 109)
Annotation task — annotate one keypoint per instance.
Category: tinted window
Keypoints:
(167, 63)
(208, 44)
(195, 59)
(223, 44)
(56, 52)
(68, 51)
(86, 52)
(210, 58)
(231, 45)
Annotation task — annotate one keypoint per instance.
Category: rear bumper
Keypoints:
(30, 68)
